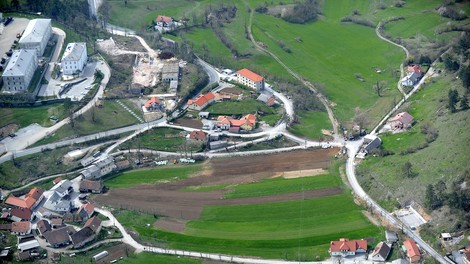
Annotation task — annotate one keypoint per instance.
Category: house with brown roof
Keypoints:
(198, 136)
(402, 120)
(381, 252)
(43, 226)
(250, 79)
(21, 228)
(94, 223)
(58, 237)
(201, 101)
(412, 251)
(57, 222)
(345, 247)
(57, 180)
(86, 211)
(164, 21)
(87, 186)
(83, 236)
(21, 214)
(153, 104)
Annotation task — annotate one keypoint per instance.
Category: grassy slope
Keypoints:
(332, 53)
(151, 176)
(25, 116)
(246, 106)
(145, 257)
(446, 158)
(310, 124)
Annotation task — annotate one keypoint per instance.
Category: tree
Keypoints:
(453, 99)
(430, 197)
(464, 75)
(464, 103)
(379, 87)
(407, 170)
(15, 4)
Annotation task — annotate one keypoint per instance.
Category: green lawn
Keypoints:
(310, 124)
(146, 257)
(151, 176)
(296, 230)
(132, 219)
(280, 185)
(25, 116)
(165, 139)
(246, 106)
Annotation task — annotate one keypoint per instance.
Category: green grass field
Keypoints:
(246, 106)
(165, 139)
(145, 257)
(26, 116)
(445, 158)
(151, 176)
(310, 124)
(133, 218)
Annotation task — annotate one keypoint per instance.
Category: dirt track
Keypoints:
(177, 207)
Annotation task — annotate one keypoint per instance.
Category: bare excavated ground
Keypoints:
(175, 207)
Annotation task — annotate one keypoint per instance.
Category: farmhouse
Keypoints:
(36, 35)
(246, 123)
(250, 79)
(86, 211)
(201, 101)
(402, 120)
(58, 238)
(21, 228)
(381, 252)
(31, 199)
(99, 169)
(21, 214)
(19, 71)
(153, 104)
(268, 99)
(87, 233)
(345, 247)
(74, 58)
(91, 186)
(63, 188)
(370, 142)
(164, 21)
(412, 251)
(170, 72)
(43, 226)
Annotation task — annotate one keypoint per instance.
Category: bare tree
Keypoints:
(379, 87)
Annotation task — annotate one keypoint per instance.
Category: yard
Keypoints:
(24, 116)
(164, 139)
(310, 124)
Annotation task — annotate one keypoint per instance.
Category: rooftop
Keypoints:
(35, 30)
(250, 75)
(19, 62)
(74, 51)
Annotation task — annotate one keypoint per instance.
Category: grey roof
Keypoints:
(102, 163)
(58, 236)
(43, 226)
(35, 30)
(55, 201)
(91, 172)
(19, 62)
(64, 186)
(391, 236)
(264, 97)
(74, 51)
(381, 251)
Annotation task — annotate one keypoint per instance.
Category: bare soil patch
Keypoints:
(188, 122)
(231, 90)
(116, 252)
(175, 207)
(303, 173)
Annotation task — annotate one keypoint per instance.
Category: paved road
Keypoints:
(213, 74)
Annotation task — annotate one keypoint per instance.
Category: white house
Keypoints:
(19, 71)
(36, 35)
(74, 58)
(250, 79)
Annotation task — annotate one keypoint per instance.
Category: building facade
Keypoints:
(250, 79)
(74, 58)
(36, 35)
(19, 71)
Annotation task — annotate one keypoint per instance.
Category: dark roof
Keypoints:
(22, 213)
(91, 185)
(43, 226)
(57, 221)
(58, 236)
(82, 235)
(94, 223)
(25, 255)
(381, 250)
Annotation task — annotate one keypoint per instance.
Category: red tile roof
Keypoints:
(411, 248)
(89, 208)
(22, 213)
(250, 75)
(150, 102)
(20, 227)
(414, 68)
(249, 119)
(57, 180)
(345, 245)
(198, 135)
(165, 19)
(35, 193)
(18, 202)
(202, 99)
(403, 117)
(94, 223)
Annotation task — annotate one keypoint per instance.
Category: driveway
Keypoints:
(8, 36)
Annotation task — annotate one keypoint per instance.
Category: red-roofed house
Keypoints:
(153, 104)
(345, 247)
(21, 214)
(164, 21)
(198, 135)
(402, 120)
(412, 250)
(36, 193)
(21, 228)
(415, 68)
(86, 211)
(247, 122)
(250, 79)
(201, 102)
(32, 198)
(57, 180)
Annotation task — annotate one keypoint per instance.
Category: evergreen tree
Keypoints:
(453, 99)
(464, 103)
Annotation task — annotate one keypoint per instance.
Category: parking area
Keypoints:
(8, 35)
(78, 91)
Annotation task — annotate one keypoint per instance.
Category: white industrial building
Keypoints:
(36, 35)
(19, 71)
(74, 58)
